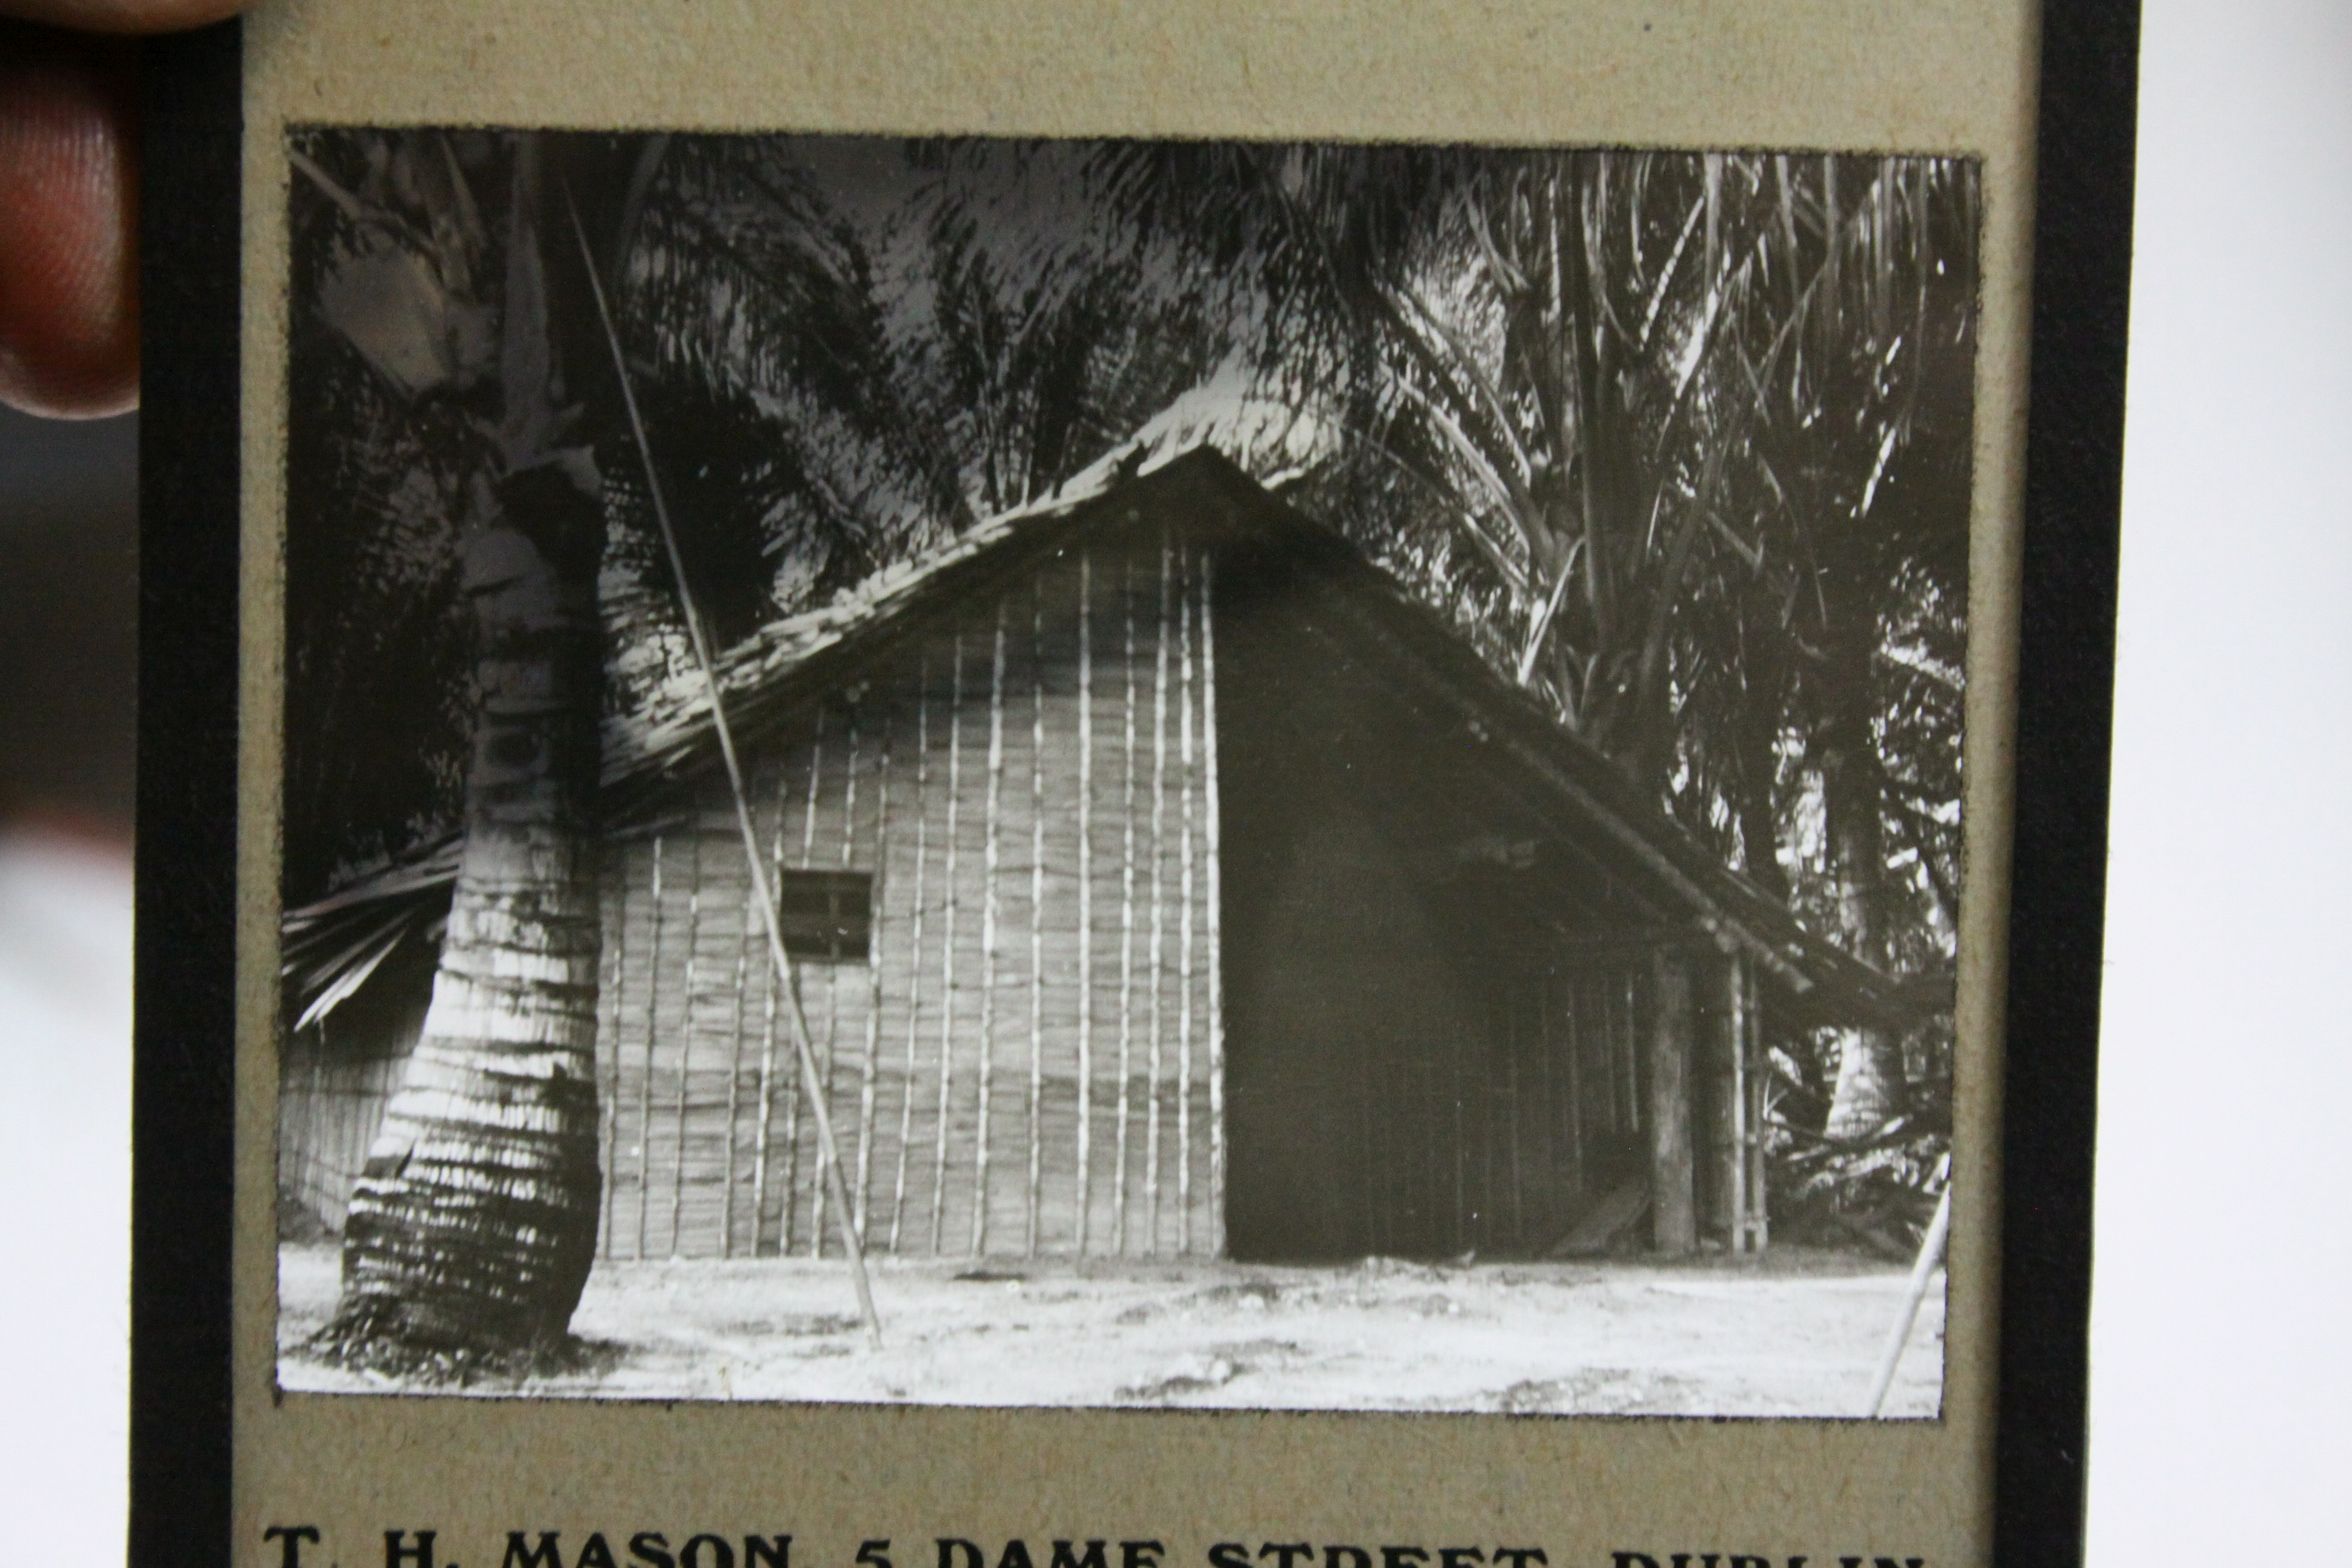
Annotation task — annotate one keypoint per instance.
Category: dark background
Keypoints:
(68, 586)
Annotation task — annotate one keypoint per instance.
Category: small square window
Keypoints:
(826, 916)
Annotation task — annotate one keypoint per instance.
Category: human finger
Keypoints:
(69, 316)
(122, 16)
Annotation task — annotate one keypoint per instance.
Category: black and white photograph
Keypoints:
(1315, 776)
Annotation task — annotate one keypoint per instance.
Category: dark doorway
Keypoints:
(1361, 1008)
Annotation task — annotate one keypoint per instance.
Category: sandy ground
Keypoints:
(1789, 1334)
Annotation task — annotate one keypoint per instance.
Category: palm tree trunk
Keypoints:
(475, 1218)
(474, 1221)
(1871, 1087)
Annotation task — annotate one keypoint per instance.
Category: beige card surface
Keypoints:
(1045, 786)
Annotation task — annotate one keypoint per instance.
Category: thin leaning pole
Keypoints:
(1931, 1254)
(819, 1113)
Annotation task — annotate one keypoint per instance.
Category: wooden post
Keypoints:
(955, 761)
(1735, 970)
(1759, 1081)
(1216, 902)
(1036, 913)
(1673, 1198)
(876, 928)
(990, 913)
(906, 1095)
(1085, 893)
(792, 1083)
(652, 1032)
(849, 767)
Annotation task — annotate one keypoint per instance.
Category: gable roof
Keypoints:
(331, 947)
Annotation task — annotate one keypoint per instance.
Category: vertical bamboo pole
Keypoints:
(1184, 891)
(876, 929)
(955, 793)
(323, 1174)
(1159, 907)
(1036, 912)
(652, 1033)
(735, 1075)
(609, 1047)
(829, 1161)
(1216, 903)
(849, 791)
(1085, 892)
(906, 1098)
(793, 1087)
(767, 1069)
(990, 915)
(686, 1031)
(1126, 914)
(312, 1119)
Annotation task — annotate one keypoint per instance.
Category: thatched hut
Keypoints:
(1162, 882)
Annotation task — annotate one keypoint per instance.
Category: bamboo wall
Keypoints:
(1028, 1060)
(335, 1079)
(1498, 1140)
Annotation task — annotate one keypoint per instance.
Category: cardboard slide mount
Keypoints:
(191, 676)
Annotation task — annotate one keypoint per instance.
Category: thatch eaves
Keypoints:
(333, 946)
